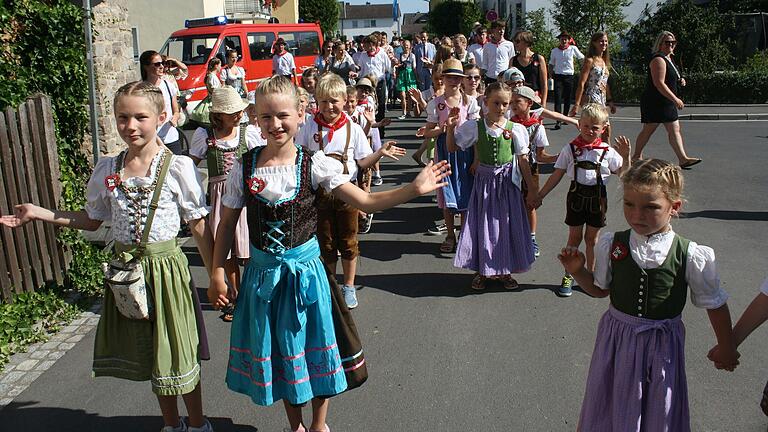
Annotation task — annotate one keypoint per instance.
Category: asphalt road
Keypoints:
(444, 358)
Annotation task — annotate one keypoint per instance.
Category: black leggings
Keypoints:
(563, 91)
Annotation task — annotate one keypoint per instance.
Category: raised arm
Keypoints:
(585, 68)
(430, 178)
(25, 213)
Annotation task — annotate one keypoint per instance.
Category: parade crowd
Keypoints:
(292, 167)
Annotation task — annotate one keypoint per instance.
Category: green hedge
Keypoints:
(747, 87)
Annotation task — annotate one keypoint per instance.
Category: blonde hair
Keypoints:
(655, 174)
(351, 91)
(660, 39)
(330, 86)
(594, 112)
(278, 85)
(142, 89)
(497, 87)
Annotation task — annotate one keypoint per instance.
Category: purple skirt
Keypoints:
(637, 376)
(496, 238)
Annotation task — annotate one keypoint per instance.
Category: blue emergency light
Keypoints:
(203, 22)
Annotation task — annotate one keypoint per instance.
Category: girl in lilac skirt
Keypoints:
(495, 240)
(637, 377)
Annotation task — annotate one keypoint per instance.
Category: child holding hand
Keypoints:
(589, 162)
(637, 376)
(283, 345)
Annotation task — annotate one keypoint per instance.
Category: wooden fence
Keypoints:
(29, 172)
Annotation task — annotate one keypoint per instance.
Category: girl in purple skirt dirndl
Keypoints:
(637, 379)
(495, 240)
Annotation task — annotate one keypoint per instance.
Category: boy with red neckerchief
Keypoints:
(496, 54)
(333, 133)
(589, 162)
(523, 99)
(476, 49)
(283, 63)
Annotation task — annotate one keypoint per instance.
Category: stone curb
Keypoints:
(24, 368)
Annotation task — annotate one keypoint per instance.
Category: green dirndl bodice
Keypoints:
(165, 350)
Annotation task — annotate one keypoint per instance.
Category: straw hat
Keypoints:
(364, 82)
(226, 100)
(453, 66)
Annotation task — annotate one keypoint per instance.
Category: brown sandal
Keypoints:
(478, 282)
(509, 282)
(448, 245)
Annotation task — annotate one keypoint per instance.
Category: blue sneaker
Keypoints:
(536, 251)
(350, 295)
(565, 286)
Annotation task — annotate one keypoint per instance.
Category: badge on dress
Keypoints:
(317, 137)
(506, 133)
(112, 181)
(579, 151)
(441, 106)
(618, 251)
(256, 185)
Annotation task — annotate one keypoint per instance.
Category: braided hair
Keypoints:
(142, 89)
(655, 174)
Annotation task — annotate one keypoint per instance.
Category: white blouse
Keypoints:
(181, 197)
(701, 272)
(612, 163)
(282, 180)
(199, 146)
(473, 110)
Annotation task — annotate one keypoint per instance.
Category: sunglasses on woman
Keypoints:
(670, 43)
(473, 77)
(157, 64)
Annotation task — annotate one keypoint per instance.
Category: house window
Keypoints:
(135, 38)
(519, 15)
(373, 23)
(354, 23)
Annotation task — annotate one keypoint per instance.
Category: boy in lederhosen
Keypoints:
(589, 162)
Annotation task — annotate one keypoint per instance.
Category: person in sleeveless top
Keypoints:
(637, 380)
(592, 86)
(153, 71)
(659, 103)
(532, 65)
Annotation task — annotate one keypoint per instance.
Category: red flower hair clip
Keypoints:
(317, 137)
(506, 133)
(441, 106)
(618, 251)
(112, 181)
(256, 185)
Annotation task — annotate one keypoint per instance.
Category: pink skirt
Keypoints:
(241, 244)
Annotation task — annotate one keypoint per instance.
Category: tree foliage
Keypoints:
(699, 30)
(451, 17)
(543, 39)
(581, 19)
(324, 12)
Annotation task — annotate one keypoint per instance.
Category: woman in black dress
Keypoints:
(659, 103)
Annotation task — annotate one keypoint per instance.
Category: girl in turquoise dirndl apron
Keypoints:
(165, 349)
(292, 336)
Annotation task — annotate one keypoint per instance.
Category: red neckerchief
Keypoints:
(374, 53)
(527, 123)
(282, 53)
(567, 45)
(580, 143)
(362, 102)
(331, 127)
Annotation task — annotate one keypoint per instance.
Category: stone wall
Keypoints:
(113, 66)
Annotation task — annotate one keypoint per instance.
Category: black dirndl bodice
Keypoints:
(286, 223)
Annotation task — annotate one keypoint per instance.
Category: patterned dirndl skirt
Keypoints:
(168, 349)
(283, 342)
(637, 377)
(241, 247)
(456, 195)
(495, 239)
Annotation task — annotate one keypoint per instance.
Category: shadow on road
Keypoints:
(727, 215)
(27, 417)
(439, 285)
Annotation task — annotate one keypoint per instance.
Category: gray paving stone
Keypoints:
(45, 365)
(59, 337)
(66, 346)
(12, 377)
(93, 321)
(69, 329)
(39, 354)
(4, 388)
(6, 401)
(77, 322)
(19, 358)
(8, 367)
(29, 378)
(55, 355)
(50, 346)
(27, 365)
(75, 338)
(84, 329)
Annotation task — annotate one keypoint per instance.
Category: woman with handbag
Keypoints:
(149, 329)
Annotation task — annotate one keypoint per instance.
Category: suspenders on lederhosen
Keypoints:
(587, 198)
(326, 200)
(363, 175)
(533, 162)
